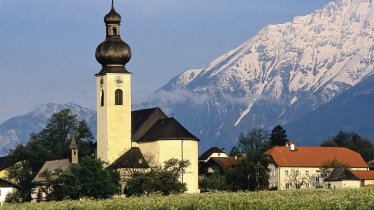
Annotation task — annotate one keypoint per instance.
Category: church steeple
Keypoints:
(74, 151)
(113, 53)
(113, 93)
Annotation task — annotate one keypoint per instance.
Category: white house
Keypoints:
(298, 167)
(6, 187)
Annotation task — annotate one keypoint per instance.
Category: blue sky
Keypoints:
(47, 47)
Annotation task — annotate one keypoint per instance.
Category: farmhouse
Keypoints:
(52, 167)
(216, 160)
(298, 167)
(125, 136)
(345, 178)
(6, 186)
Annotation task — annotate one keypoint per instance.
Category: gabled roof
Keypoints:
(364, 175)
(51, 166)
(341, 174)
(6, 183)
(133, 158)
(209, 152)
(223, 162)
(314, 156)
(5, 162)
(142, 120)
(167, 129)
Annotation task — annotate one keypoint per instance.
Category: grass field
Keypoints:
(295, 199)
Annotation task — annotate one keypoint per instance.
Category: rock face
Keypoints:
(277, 77)
(17, 129)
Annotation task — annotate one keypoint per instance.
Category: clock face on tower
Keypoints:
(118, 80)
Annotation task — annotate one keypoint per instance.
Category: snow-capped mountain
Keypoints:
(350, 111)
(17, 130)
(276, 77)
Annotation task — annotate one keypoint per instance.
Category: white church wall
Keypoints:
(113, 132)
(163, 150)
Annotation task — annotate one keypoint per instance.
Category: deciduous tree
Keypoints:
(352, 141)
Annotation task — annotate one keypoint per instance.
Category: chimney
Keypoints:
(291, 145)
(74, 151)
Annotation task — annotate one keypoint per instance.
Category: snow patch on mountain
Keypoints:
(282, 73)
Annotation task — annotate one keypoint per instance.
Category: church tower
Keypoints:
(113, 84)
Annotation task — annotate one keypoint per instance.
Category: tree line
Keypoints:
(91, 178)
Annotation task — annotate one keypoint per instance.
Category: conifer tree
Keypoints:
(278, 136)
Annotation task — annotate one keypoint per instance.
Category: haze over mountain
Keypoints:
(313, 75)
(17, 130)
(279, 76)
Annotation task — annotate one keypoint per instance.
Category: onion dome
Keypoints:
(113, 53)
(112, 17)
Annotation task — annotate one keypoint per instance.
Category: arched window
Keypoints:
(118, 97)
(114, 30)
(102, 98)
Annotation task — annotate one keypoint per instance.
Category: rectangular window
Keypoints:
(287, 185)
(298, 185)
(274, 172)
(297, 172)
(307, 173)
(286, 172)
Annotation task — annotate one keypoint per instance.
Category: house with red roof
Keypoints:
(366, 177)
(215, 160)
(345, 178)
(299, 167)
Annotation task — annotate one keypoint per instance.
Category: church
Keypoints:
(125, 137)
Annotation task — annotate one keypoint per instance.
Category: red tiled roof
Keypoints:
(315, 156)
(224, 162)
(364, 175)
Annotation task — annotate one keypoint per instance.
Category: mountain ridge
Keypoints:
(17, 130)
(280, 75)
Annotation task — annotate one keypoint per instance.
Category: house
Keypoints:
(146, 136)
(345, 178)
(53, 166)
(366, 177)
(216, 160)
(219, 165)
(212, 152)
(6, 187)
(342, 178)
(298, 167)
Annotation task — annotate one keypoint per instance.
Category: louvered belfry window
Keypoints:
(102, 98)
(118, 97)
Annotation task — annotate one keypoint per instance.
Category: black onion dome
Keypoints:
(113, 51)
(112, 17)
